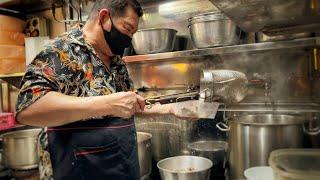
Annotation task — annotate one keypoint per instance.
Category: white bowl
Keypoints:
(259, 173)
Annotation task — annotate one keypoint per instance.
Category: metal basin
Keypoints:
(212, 29)
(155, 40)
(185, 168)
(20, 149)
(144, 153)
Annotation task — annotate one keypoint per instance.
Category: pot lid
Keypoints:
(210, 16)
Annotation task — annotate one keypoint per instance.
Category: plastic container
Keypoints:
(259, 173)
(7, 121)
(295, 164)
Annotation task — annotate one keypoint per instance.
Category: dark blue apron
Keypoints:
(94, 149)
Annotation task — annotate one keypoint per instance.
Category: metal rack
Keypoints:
(254, 47)
(12, 79)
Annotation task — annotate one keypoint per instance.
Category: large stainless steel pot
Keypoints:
(20, 149)
(185, 168)
(165, 141)
(144, 153)
(253, 137)
(213, 29)
(168, 139)
(216, 151)
(155, 40)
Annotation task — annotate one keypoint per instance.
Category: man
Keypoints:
(79, 88)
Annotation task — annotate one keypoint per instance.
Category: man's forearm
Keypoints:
(55, 109)
(158, 109)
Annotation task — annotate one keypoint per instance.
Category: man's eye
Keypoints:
(127, 28)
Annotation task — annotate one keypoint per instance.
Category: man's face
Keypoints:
(126, 24)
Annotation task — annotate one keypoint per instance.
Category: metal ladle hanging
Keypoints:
(230, 86)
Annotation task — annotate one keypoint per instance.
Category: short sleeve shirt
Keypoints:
(69, 65)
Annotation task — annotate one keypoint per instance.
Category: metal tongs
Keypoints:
(173, 98)
(188, 104)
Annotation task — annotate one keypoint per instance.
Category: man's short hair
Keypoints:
(117, 8)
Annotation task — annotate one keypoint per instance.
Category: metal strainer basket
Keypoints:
(231, 86)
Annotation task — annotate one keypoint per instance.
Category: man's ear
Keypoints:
(104, 19)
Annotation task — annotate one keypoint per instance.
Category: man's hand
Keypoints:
(124, 104)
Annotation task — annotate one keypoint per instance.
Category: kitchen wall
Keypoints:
(186, 71)
(288, 72)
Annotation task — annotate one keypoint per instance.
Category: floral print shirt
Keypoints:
(69, 65)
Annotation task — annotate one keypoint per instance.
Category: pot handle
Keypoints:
(222, 127)
(311, 132)
(148, 144)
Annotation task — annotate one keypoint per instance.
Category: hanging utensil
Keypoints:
(231, 86)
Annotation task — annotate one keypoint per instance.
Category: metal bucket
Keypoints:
(154, 40)
(213, 29)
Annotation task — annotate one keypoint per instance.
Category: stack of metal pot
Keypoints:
(213, 29)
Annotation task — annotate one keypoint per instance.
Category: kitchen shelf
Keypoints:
(11, 75)
(13, 79)
(275, 108)
(254, 47)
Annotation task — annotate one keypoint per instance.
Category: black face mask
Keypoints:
(116, 40)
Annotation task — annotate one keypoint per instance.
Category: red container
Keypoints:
(7, 121)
